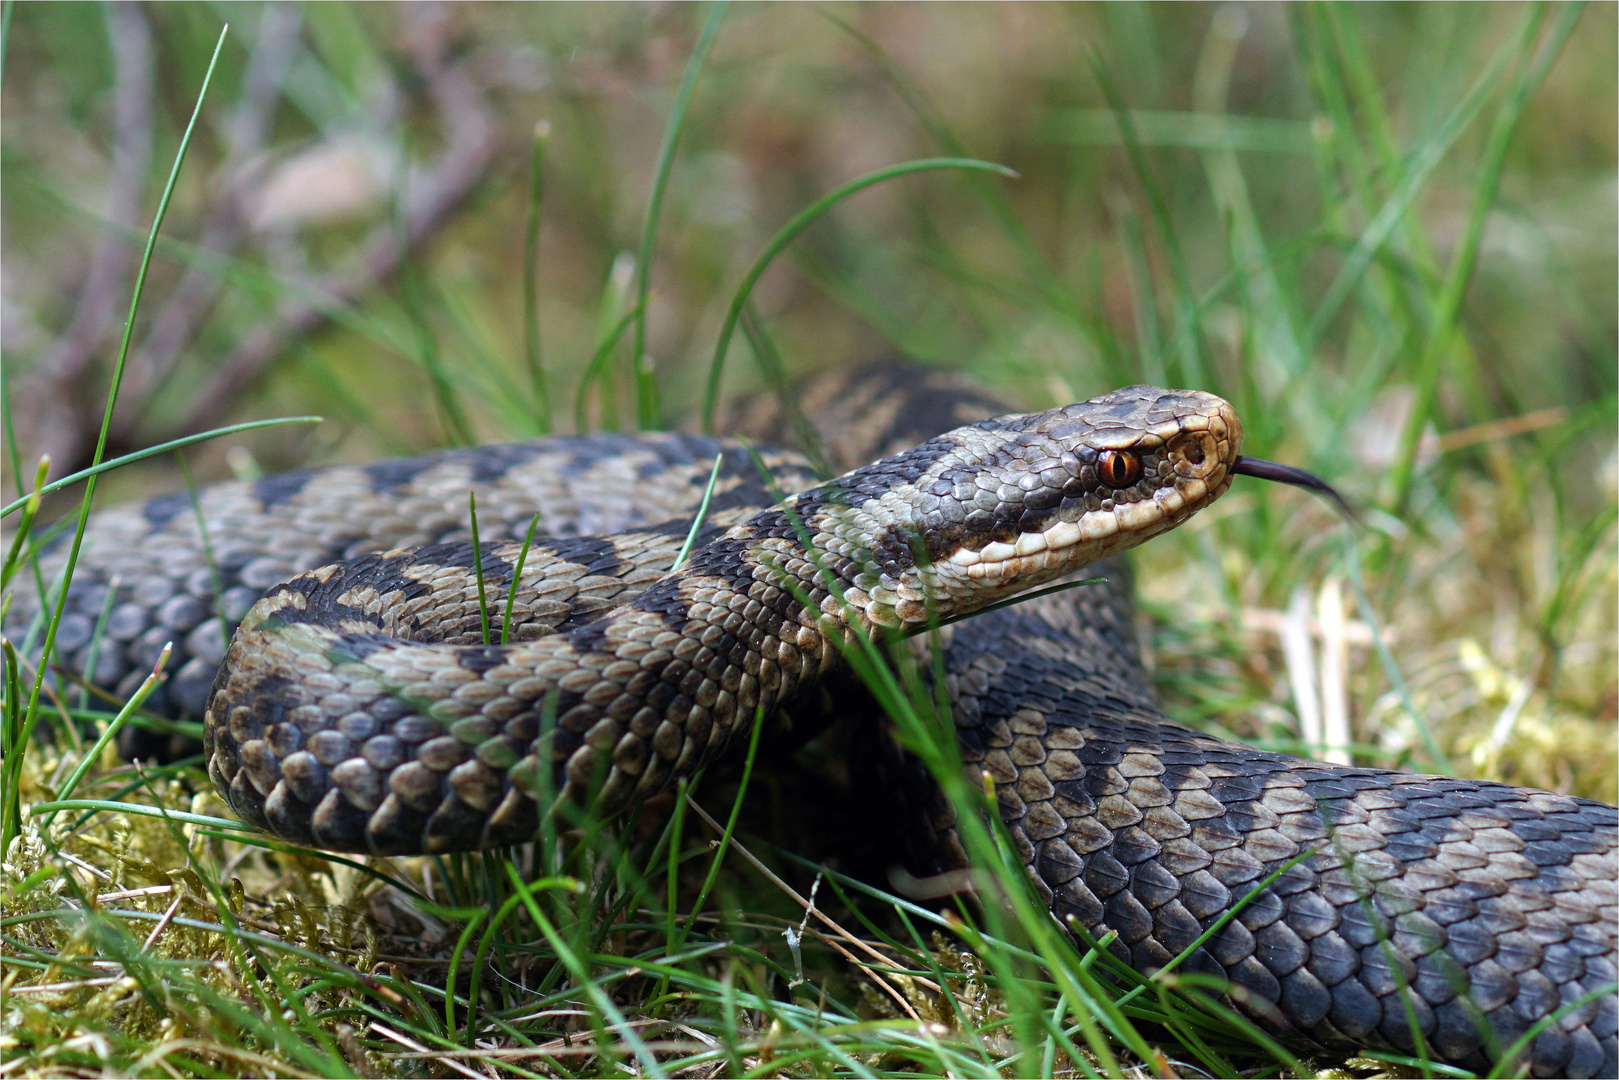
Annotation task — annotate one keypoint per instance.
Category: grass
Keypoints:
(1384, 234)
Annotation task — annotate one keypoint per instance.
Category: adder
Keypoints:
(358, 707)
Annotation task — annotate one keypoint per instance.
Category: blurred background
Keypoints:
(1386, 233)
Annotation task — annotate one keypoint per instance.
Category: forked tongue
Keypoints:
(1287, 474)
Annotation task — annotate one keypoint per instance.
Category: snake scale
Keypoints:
(358, 708)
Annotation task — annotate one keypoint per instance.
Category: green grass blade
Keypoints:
(153, 451)
(130, 708)
(725, 837)
(477, 566)
(801, 221)
(453, 417)
(479, 372)
(1523, 1041)
(531, 284)
(1150, 349)
(1362, 81)
(10, 771)
(768, 358)
(646, 397)
(1020, 598)
(5, 34)
(98, 637)
(1448, 305)
(139, 810)
(702, 512)
(1391, 668)
(608, 1009)
(1270, 318)
(517, 576)
(1180, 131)
(1416, 175)
(30, 504)
(1188, 335)
(1051, 292)
(206, 542)
(597, 368)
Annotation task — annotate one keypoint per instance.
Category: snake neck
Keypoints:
(844, 571)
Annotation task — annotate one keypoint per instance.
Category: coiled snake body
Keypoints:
(358, 709)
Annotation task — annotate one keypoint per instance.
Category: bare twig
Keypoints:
(469, 148)
(273, 51)
(55, 387)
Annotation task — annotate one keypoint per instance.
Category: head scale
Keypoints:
(1011, 503)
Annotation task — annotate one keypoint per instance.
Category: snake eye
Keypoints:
(1118, 468)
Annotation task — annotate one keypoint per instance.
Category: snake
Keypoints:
(392, 687)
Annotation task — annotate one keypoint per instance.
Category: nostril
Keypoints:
(1194, 451)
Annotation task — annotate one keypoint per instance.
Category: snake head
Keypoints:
(997, 507)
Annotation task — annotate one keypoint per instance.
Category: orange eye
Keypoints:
(1118, 468)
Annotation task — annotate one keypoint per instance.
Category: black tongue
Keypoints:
(1287, 474)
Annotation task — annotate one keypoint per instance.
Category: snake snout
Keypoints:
(1199, 457)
